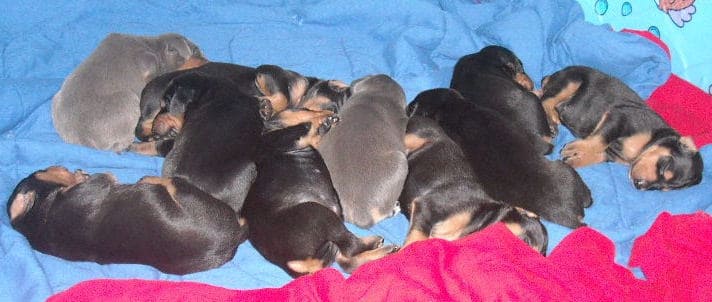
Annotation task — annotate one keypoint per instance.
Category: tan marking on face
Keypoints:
(21, 204)
(62, 176)
(165, 182)
(165, 122)
(306, 266)
(452, 227)
(584, 152)
(278, 101)
(524, 80)
(645, 167)
(633, 146)
(551, 103)
(193, 62)
(413, 142)
(146, 128)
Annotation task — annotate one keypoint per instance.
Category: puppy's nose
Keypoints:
(640, 184)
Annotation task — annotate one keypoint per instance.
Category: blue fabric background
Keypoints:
(415, 41)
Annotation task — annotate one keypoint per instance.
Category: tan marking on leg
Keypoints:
(373, 241)
(415, 236)
(165, 182)
(316, 103)
(21, 204)
(515, 228)
(316, 118)
(146, 128)
(645, 167)
(306, 266)
(551, 103)
(145, 148)
(413, 142)
(352, 263)
(297, 89)
(633, 146)
(452, 227)
(164, 123)
(584, 152)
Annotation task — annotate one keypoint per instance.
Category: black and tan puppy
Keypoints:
(504, 160)
(161, 119)
(614, 124)
(98, 104)
(219, 137)
(163, 222)
(442, 197)
(292, 209)
(495, 78)
(365, 152)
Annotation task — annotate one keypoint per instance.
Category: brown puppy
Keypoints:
(163, 222)
(292, 209)
(442, 197)
(504, 160)
(614, 124)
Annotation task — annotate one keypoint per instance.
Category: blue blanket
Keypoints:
(415, 42)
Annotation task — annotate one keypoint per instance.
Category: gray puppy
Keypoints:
(98, 104)
(365, 152)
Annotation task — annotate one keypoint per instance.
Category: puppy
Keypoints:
(82, 217)
(292, 209)
(219, 137)
(442, 197)
(494, 77)
(614, 124)
(277, 86)
(503, 159)
(98, 104)
(365, 152)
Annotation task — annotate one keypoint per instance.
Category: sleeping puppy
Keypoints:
(98, 104)
(494, 77)
(278, 86)
(82, 217)
(292, 209)
(365, 152)
(503, 158)
(442, 197)
(614, 124)
(219, 137)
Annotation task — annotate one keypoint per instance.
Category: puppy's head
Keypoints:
(493, 60)
(433, 103)
(379, 83)
(33, 191)
(325, 95)
(670, 162)
(179, 53)
(283, 88)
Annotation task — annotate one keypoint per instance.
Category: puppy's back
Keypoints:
(365, 152)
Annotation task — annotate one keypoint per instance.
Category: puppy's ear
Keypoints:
(688, 143)
(21, 204)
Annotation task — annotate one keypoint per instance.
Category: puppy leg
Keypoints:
(152, 148)
(592, 149)
(362, 250)
(555, 95)
(165, 182)
(419, 229)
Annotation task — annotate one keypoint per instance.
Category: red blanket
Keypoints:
(488, 265)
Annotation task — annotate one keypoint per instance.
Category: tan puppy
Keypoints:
(365, 153)
(98, 104)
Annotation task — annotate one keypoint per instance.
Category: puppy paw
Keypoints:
(327, 123)
(266, 110)
(582, 153)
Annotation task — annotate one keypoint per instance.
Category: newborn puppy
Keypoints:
(163, 222)
(494, 77)
(98, 104)
(503, 159)
(365, 152)
(442, 197)
(292, 210)
(614, 124)
(219, 137)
